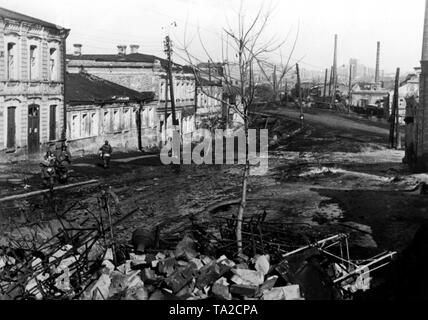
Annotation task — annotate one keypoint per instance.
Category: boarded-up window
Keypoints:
(52, 123)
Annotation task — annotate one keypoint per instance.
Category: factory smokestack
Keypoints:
(377, 74)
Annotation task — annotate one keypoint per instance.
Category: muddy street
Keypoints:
(320, 183)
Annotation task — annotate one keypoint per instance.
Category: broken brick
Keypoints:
(167, 266)
(244, 290)
(248, 277)
(186, 248)
(269, 283)
(221, 289)
(180, 278)
(210, 273)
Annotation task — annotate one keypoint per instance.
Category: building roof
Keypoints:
(133, 57)
(9, 14)
(202, 82)
(83, 88)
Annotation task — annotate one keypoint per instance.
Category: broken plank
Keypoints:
(39, 192)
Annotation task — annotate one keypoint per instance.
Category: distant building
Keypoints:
(99, 110)
(409, 88)
(209, 100)
(31, 84)
(365, 94)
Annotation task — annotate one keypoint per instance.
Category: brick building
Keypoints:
(143, 73)
(99, 110)
(31, 84)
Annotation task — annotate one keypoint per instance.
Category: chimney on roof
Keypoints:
(77, 49)
(121, 50)
(134, 48)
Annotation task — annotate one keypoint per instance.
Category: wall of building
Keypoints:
(90, 125)
(30, 73)
(131, 75)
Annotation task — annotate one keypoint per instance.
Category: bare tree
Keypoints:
(247, 45)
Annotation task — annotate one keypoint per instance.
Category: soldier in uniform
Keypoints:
(105, 153)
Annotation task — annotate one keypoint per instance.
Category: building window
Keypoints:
(134, 118)
(127, 119)
(84, 126)
(11, 128)
(33, 63)
(11, 61)
(151, 117)
(106, 122)
(53, 64)
(146, 118)
(75, 126)
(52, 123)
(116, 121)
(94, 124)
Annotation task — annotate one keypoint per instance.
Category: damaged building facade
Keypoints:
(99, 110)
(31, 84)
(144, 73)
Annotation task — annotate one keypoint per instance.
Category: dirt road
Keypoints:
(336, 176)
(328, 119)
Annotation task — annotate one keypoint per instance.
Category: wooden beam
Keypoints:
(39, 192)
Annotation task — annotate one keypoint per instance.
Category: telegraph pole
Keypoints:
(331, 82)
(166, 107)
(333, 97)
(168, 51)
(394, 129)
(300, 96)
(350, 88)
(325, 82)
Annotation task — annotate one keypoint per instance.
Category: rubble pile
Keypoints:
(45, 265)
(185, 274)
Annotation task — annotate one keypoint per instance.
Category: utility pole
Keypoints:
(393, 139)
(65, 34)
(333, 97)
(168, 51)
(166, 107)
(300, 96)
(350, 89)
(286, 92)
(331, 82)
(275, 85)
(325, 82)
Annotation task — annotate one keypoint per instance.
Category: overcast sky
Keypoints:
(100, 25)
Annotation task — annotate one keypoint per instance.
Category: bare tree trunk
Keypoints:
(243, 203)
